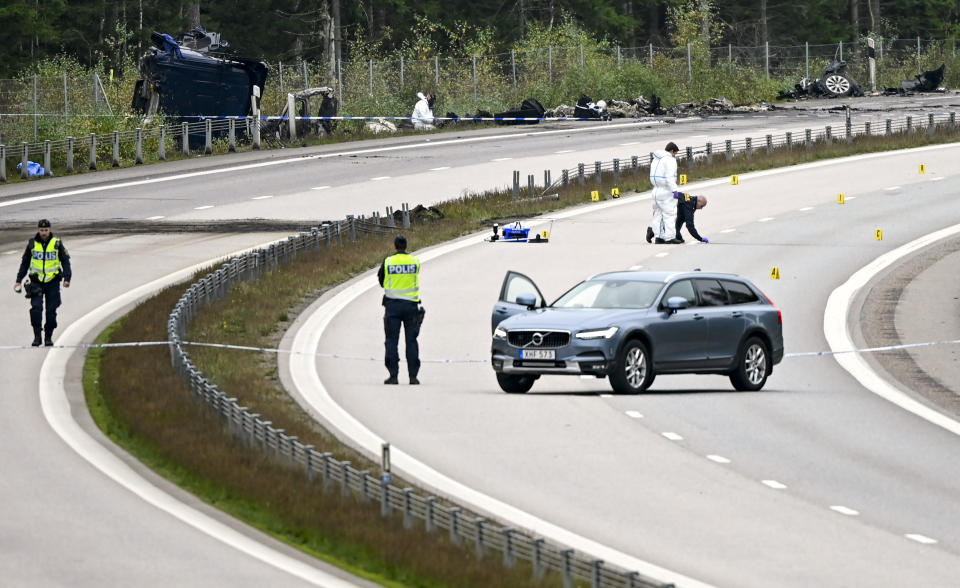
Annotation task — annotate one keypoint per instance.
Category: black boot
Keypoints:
(47, 337)
(36, 337)
(649, 234)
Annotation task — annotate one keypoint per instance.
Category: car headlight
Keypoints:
(499, 333)
(598, 333)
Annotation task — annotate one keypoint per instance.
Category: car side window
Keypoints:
(711, 292)
(683, 289)
(518, 285)
(739, 292)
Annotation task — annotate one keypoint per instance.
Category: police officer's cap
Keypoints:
(671, 147)
(400, 243)
(44, 223)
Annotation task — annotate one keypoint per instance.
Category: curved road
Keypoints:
(64, 522)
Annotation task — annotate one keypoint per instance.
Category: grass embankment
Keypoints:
(166, 428)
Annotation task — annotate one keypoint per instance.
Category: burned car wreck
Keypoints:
(834, 83)
(188, 79)
(928, 81)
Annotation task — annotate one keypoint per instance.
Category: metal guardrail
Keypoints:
(461, 524)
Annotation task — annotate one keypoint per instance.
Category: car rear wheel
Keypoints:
(515, 384)
(753, 366)
(633, 371)
(837, 85)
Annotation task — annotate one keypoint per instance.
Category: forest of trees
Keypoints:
(111, 33)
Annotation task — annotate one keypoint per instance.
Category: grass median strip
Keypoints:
(142, 404)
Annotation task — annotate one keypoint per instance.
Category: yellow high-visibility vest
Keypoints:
(401, 277)
(45, 263)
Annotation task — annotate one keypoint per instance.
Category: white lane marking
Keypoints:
(634, 414)
(378, 178)
(728, 230)
(672, 436)
(204, 207)
(59, 414)
(774, 484)
(936, 179)
(320, 188)
(718, 458)
(765, 219)
(892, 188)
(158, 217)
(563, 151)
(806, 208)
(635, 267)
(851, 197)
(662, 254)
(439, 168)
(630, 143)
(844, 510)
(605, 395)
(9, 252)
(262, 197)
(502, 159)
(920, 538)
(839, 339)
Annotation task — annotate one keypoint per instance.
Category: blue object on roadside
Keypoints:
(169, 45)
(33, 169)
(516, 233)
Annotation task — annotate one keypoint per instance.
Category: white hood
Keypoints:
(663, 171)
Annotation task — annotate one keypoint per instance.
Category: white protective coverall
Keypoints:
(663, 176)
(422, 114)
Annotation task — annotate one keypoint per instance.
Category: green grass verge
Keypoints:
(142, 405)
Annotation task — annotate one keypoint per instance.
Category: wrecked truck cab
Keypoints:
(187, 84)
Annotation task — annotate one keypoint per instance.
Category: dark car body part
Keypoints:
(308, 103)
(187, 84)
(688, 323)
(530, 108)
(928, 81)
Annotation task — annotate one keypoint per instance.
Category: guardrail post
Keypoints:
(749, 147)
(344, 478)
(365, 478)
(139, 149)
(3, 163)
(162, 144)
(546, 179)
(689, 161)
(327, 472)
(953, 119)
(478, 543)
(232, 135)
(631, 578)
(46, 158)
(115, 161)
(408, 508)
(516, 184)
(931, 126)
(595, 567)
(567, 567)
(598, 172)
(909, 124)
(888, 128)
(208, 137)
(69, 155)
(849, 131)
(709, 153)
(565, 178)
(866, 129)
(808, 138)
(635, 164)
(769, 144)
(352, 231)
(455, 525)
(508, 558)
(580, 175)
(828, 135)
(428, 523)
(536, 561)
(616, 170)
(789, 141)
(406, 215)
(185, 143)
(729, 149)
(530, 186)
(24, 159)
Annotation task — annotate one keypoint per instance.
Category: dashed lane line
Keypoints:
(502, 159)
(672, 436)
(662, 254)
(158, 217)
(634, 414)
(891, 188)
(563, 151)
(203, 207)
(806, 208)
(379, 178)
(320, 188)
(845, 510)
(262, 197)
(439, 168)
(728, 230)
(920, 538)
(774, 484)
(718, 458)
(765, 219)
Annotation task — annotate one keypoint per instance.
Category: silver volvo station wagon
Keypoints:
(632, 325)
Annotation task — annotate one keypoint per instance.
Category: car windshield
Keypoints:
(610, 294)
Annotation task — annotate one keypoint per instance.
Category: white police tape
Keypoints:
(437, 361)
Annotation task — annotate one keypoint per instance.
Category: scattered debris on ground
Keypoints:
(928, 81)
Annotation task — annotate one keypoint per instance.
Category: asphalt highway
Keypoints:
(66, 522)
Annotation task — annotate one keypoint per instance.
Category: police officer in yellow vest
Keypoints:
(48, 263)
(399, 275)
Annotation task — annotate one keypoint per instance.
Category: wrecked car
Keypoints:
(834, 83)
(928, 81)
(307, 103)
(187, 84)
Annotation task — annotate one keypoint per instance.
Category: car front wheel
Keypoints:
(753, 366)
(515, 384)
(633, 371)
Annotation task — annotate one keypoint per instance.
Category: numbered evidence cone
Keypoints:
(615, 192)
(840, 199)
(923, 168)
(735, 180)
(775, 273)
(595, 196)
(878, 235)
(683, 179)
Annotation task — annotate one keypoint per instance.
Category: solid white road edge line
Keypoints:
(56, 409)
(838, 333)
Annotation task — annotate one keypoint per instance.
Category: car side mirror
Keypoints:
(528, 300)
(675, 303)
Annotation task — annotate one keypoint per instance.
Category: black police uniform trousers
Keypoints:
(397, 313)
(46, 294)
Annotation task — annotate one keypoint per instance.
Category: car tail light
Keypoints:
(779, 314)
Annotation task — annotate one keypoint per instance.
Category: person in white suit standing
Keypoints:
(663, 176)
(422, 116)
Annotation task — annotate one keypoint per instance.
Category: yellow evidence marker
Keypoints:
(775, 273)
(683, 179)
(735, 180)
(545, 234)
(878, 235)
(923, 168)
(595, 196)
(615, 192)
(840, 199)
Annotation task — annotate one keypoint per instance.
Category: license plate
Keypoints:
(538, 354)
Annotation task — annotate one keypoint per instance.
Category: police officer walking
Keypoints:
(399, 274)
(48, 263)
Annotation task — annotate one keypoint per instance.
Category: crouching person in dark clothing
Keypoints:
(399, 275)
(48, 263)
(687, 206)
